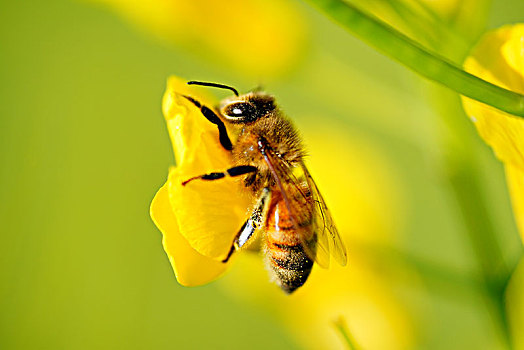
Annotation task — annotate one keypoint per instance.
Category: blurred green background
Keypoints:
(84, 147)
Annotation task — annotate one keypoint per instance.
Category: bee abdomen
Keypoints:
(289, 264)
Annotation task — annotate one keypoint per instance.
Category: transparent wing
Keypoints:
(328, 238)
(308, 211)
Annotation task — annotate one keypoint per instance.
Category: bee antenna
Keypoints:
(220, 86)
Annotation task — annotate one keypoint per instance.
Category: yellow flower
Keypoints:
(499, 59)
(258, 37)
(210, 219)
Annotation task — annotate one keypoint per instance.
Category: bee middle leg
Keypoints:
(213, 118)
(234, 171)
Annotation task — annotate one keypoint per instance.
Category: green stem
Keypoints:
(340, 325)
(428, 64)
(482, 234)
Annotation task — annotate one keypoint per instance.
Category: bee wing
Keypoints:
(320, 239)
(328, 239)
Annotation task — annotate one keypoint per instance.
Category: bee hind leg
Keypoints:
(243, 236)
(251, 225)
(234, 171)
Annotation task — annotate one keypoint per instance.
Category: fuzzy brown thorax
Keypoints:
(256, 117)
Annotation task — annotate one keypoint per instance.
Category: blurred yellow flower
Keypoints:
(367, 204)
(499, 59)
(211, 220)
(259, 38)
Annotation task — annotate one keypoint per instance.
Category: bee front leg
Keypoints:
(251, 225)
(234, 171)
(213, 118)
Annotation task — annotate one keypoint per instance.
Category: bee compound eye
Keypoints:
(241, 111)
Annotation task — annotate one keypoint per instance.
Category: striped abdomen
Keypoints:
(285, 256)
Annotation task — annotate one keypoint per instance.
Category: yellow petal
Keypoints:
(499, 59)
(188, 128)
(191, 268)
(199, 221)
(513, 52)
(210, 213)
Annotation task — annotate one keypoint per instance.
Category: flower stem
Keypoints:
(340, 325)
(411, 54)
(482, 234)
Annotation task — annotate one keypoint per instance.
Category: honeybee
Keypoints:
(288, 209)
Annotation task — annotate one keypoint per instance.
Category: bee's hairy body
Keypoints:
(288, 208)
(279, 135)
(285, 257)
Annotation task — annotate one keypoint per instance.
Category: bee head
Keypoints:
(242, 109)
(247, 108)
